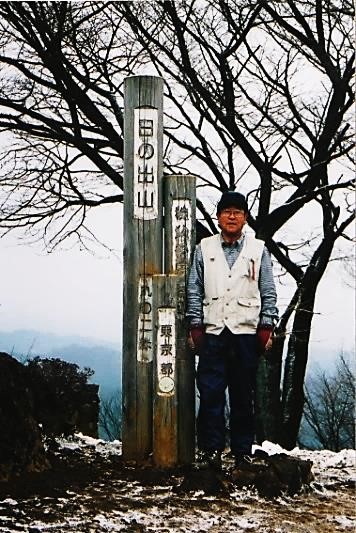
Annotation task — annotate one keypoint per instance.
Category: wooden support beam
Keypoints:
(180, 207)
(165, 444)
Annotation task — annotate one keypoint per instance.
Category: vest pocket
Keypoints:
(212, 309)
(249, 311)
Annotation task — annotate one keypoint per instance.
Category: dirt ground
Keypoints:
(88, 491)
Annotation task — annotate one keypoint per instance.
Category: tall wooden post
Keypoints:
(180, 205)
(143, 247)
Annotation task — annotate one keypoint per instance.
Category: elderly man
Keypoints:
(231, 312)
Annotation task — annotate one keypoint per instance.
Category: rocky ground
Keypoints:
(89, 489)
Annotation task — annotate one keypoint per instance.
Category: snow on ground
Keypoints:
(328, 467)
(103, 496)
(103, 447)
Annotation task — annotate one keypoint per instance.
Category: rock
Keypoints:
(274, 475)
(21, 446)
(293, 472)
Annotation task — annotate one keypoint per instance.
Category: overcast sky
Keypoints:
(74, 292)
(67, 291)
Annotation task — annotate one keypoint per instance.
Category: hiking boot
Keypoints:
(208, 460)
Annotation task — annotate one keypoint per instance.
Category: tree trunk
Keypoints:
(295, 366)
(268, 392)
(277, 419)
(297, 355)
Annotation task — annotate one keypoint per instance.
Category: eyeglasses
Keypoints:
(236, 213)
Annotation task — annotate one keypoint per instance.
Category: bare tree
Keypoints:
(61, 78)
(243, 69)
(349, 265)
(329, 407)
(258, 97)
(110, 416)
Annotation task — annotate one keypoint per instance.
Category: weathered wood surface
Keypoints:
(142, 258)
(180, 207)
(165, 443)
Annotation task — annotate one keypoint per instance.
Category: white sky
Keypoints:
(77, 293)
(66, 292)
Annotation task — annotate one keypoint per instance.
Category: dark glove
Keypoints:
(197, 334)
(263, 335)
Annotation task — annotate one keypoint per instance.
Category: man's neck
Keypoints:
(231, 239)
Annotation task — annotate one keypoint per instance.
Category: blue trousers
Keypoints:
(227, 361)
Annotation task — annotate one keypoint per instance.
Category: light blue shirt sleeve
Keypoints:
(269, 311)
(195, 289)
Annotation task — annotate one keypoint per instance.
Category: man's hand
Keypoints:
(196, 338)
(264, 338)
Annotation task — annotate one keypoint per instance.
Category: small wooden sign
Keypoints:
(144, 327)
(145, 163)
(181, 234)
(166, 351)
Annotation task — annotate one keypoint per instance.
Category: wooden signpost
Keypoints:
(180, 205)
(165, 445)
(158, 370)
(143, 246)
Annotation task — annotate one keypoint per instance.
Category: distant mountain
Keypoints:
(101, 356)
(105, 358)
(33, 341)
(106, 363)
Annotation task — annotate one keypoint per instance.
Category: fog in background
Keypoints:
(73, 292)
(70, 291)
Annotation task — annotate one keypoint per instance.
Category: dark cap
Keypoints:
(232, 199)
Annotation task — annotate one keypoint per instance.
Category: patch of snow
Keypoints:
(327, 458)
(162, 519)
(68, 444)
(345, 458)
(269, 447)
(88, 441)
(322, 459)
(345, 521)
(248, 523)
(38, 525)
(80, 441)
(248, 494)
(197, 494)
(9, 501)
(332, 466)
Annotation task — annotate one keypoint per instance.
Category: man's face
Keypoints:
(231, 221)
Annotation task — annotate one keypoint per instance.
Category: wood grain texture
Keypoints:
(142, 258)
(179, 193)
(165, 441)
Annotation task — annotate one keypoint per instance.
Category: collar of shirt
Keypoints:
(235, 244)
